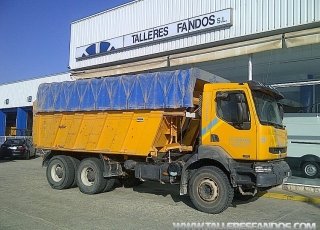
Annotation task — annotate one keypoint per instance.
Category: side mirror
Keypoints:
(280, 107)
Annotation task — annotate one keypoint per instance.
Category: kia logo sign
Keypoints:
(100, 47)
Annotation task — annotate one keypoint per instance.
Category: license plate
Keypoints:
(12, 147)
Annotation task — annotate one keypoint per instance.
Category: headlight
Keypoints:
(260, 169)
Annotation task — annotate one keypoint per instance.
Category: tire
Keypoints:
(60, 172)
(89, 176)
(27, 157)
(75, 163)
(210, 190)
(310, 169)
(109, 185)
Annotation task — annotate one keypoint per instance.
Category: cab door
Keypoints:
(234, 129)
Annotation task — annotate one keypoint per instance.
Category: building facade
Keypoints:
(271, 41)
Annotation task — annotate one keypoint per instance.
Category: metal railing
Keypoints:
(315, 108)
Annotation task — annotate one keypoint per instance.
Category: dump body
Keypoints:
(138, 133)
(131, 115)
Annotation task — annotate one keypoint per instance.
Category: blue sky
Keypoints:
(35, 35)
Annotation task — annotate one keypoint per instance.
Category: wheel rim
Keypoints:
(88, 176)
(310, 170)
(208, 190)
(57, 172)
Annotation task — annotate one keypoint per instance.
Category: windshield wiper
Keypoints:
(273, 124)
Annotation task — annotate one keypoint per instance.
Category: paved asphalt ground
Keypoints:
(28, 202)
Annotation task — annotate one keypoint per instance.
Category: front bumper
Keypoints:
(279, 174)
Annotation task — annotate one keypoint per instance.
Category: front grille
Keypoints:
(277, 150)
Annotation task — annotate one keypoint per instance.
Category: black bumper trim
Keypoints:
(280, 172)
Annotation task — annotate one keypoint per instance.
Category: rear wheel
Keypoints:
(109, 185)
(310, 169)
(60, 172)
(75, 163)
(210, 190)
(89, 176)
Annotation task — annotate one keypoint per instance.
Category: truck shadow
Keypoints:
(164, 190)
(173, 192)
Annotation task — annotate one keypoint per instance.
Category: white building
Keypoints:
(17, 102)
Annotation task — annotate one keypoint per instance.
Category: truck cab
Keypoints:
(242, 137)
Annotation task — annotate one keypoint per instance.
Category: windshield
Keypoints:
(267, 109)
(14, 142)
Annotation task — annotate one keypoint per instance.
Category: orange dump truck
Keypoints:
(215, 138)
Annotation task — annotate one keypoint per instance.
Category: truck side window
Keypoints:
(233, 110)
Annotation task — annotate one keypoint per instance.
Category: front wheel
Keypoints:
(90, 178)
(210, 190)
(310, 169)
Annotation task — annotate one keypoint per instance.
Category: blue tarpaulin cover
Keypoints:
(160, 90)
